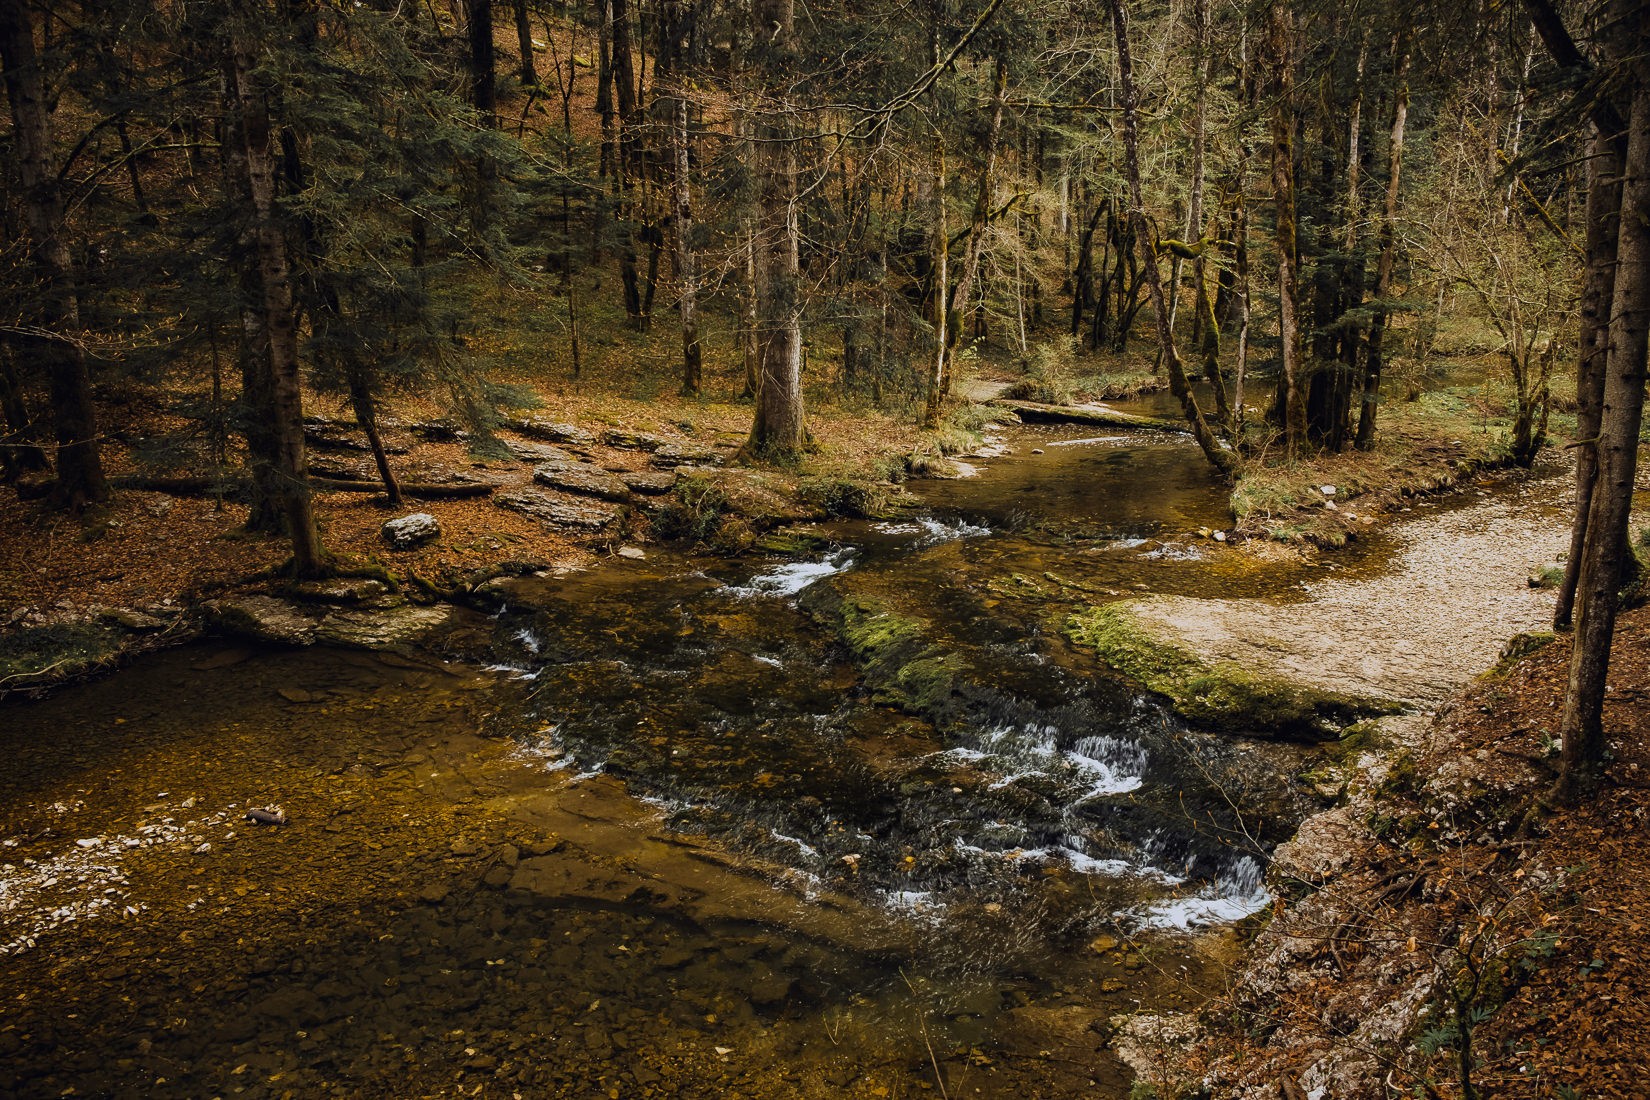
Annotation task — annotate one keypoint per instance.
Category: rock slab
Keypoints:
(556, 513)
(584, 478)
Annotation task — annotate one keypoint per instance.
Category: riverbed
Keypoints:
(659, 829)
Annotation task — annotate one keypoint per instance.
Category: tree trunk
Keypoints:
(275, 339)
(779, 431)
(19, 452)
(627, 175)
(1194, 203)
(1083, 277)
(524, 45)
(1280, 46)
(1211, 362)
(750, 344)
(483, 60)
(1602, 567)
(1218, 456)
(962, 294)
(80, 478)
(687, 270)
(366, 414)
(255, 415)
(1603, 207)
(1370, 402)
(940, 291)
(607, 163)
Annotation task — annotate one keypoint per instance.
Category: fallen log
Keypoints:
(187, 486)
(429, 490)
(1035, 412)
(190, 486)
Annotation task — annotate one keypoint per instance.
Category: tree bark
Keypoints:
(1602, 567)
(779, 430)
(80, 478)
(1291, 391)
(1194, 201)
(275, 337)
(687, 268)
(524, 44)
(941, 290)
(1369, 405)
(1219, 457)
(483, 61)
(962, 293)
(629, 167)
(604, 92)
(1603, 207)
(19, 453)
(366, 414)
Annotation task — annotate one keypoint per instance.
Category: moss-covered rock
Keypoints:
(794, 540)
(40, 656)
(903, 666)
(1221, 694)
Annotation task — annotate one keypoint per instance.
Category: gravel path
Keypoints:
(1438, 616)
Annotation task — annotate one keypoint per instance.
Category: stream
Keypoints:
(858, 823)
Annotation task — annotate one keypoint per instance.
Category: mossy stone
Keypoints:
(1219, 695)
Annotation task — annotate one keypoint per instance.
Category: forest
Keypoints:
(1015, 350)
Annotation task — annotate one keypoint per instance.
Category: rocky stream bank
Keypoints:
(1398, 630)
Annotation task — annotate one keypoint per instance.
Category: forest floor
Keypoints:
(1444, 907)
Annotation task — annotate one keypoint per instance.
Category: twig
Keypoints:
(939, 1078)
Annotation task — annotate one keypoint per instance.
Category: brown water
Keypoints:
(670, 845)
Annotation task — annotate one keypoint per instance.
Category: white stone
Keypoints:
(412, 530)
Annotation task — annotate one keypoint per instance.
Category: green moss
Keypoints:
(1548, 576)
(793, 540)
(1222, 695)
(844, 497)
(1518, 647)
(903, 666)
(47, 654)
